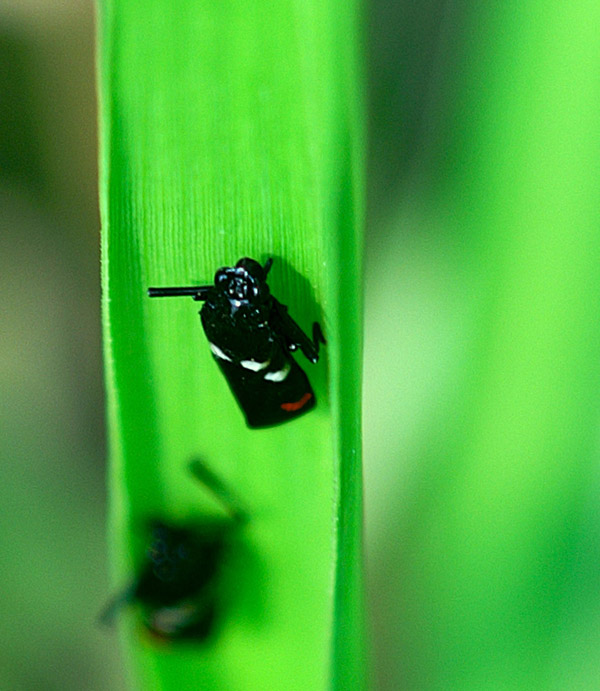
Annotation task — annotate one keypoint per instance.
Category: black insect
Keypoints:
(251, 336)
(177, 584)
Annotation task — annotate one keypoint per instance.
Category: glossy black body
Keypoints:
(176, 583)
(252, 336)
(176, 586)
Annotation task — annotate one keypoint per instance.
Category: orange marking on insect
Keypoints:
(296, 405)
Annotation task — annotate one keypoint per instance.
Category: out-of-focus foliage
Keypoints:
(482, 368)
(53, 578)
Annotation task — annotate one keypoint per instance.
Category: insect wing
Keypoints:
(269, 397)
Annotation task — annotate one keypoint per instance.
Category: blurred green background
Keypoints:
(481, 403)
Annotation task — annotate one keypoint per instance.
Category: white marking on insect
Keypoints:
(254, 366)
(217, 352)
(279, 375)
(169, 619)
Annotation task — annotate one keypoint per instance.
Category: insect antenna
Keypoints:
(219, 490)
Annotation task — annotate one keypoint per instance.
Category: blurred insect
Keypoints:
(177, 583)
(251, 336)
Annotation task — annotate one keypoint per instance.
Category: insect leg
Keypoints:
(108, 614)
(318, 337)
(268, 265)
(293, 334)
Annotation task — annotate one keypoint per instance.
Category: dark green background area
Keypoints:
(481, 401)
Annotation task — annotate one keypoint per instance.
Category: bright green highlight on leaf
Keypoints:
(233, 129)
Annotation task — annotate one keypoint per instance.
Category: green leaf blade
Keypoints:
(231, 130)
